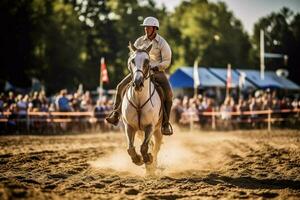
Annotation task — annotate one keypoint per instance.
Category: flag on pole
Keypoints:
(228, 84)
(104, 74)
(242, 80)
(228, 80)
(196, 74)
(262, 55)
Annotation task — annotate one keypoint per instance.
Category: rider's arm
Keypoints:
(166, 56)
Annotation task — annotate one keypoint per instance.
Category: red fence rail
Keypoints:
(59, 119)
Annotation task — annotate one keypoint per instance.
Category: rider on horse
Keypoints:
(160, 59)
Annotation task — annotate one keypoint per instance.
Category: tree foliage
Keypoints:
(60, 42)
(209, 31)
(281, 33)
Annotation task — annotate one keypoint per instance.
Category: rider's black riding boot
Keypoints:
(114, 116)
(166, 126)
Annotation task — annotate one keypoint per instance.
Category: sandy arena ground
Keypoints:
(199, 165)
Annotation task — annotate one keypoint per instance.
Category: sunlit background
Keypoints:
(60, 43)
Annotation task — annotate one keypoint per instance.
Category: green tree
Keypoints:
(198, 28)
(281, 32)
(109, 26)
(16, 41)
(59, 41)
(41, 40)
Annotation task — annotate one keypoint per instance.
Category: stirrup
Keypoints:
(171, 128)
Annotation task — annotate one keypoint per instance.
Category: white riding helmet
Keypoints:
(150, 21)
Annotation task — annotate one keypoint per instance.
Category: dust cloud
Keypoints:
(178, 153)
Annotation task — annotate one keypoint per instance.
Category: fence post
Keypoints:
(191, 121)
(213, 119)
(269, 120)
(28, 122)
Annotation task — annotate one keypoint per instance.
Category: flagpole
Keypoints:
(241, 84)
(228, 81)
(196, 77)
(101, 81)
(262, 55)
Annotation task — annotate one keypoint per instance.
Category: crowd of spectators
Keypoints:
(233, 113)
(16, 108)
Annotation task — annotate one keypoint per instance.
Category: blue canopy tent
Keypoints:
(271, 80)
(183, 78)
(286, 83)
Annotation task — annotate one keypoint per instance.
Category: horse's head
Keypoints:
(138, 63)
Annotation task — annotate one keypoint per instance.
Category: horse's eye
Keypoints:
(132, 61)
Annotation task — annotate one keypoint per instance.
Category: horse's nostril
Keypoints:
(138, 82)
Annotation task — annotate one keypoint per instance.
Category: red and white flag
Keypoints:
(103, 71)
(228, 82)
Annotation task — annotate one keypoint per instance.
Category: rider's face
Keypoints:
(150, 30)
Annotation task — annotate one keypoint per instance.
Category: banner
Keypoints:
(228, 81)
(196, 75)
(104, 74)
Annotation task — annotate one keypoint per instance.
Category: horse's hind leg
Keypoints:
(130, 133)
(147, 157)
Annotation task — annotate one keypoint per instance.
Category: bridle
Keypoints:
(145, 73)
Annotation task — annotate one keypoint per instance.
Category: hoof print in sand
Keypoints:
(58, 176)
(131, 191)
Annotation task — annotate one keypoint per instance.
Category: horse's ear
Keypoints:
(131, 47)
(149, 48)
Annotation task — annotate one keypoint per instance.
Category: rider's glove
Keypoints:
(155, 68)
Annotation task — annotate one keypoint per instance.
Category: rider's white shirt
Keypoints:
(160, 54)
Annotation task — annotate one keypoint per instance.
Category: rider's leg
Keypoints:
(163, 81)
(113, 118)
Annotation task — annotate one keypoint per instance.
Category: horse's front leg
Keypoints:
(147, 157)
(130, 133)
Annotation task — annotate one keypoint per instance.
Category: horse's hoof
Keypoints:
(148, 159)
(151, 174)
(138, 160)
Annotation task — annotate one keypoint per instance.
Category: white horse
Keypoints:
(142, 111)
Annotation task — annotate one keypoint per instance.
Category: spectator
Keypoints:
(62, 102)
(87, 102)
(36, 102)
(100, 113)
(11, 99)
(226, 110)
(2, 99)
(177, 110)
(22, 105)
(76, 101)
